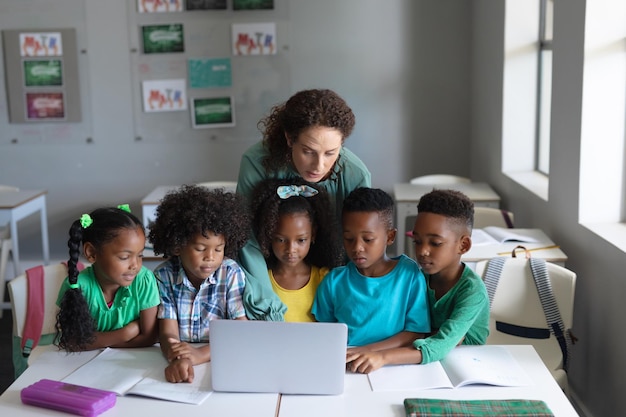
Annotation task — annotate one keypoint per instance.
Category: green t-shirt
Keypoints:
(349, 173)
(463, 312)
(127, 304)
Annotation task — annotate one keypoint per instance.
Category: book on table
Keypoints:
(464, 365)
(494, 235)
(140, 372)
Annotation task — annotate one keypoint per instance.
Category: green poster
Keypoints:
(43, 73)
(213, 112)
(161, 39)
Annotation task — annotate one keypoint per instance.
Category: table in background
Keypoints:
(16, 206)
(150, 202)
(57, 366)
(408, 195)
(359, 400)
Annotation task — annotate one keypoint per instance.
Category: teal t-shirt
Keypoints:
(374, 308)
(127, 304)
(462, 312)
(349, 173)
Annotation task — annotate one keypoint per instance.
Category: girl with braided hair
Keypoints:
(113, 302)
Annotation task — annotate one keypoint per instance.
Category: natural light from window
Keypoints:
(602, 171)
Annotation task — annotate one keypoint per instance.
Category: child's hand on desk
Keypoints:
(363, 361)
(179, 350)
(179, 370)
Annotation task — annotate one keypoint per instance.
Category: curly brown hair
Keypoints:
(305, 109)
(192, 210)
(268, 207)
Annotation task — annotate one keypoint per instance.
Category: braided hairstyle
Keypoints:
(268, 207)
(75, 327)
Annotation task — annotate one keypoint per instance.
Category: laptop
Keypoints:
(280, 357)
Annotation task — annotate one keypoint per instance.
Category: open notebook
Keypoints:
(464, 365)
(494, 234)
(280, 357)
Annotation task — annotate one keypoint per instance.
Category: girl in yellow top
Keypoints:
(297, 233)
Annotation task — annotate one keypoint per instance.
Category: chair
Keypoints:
(516, 301)
(489, 216)
(6, 248)
(226, 185)
(439, 179)
(18, 292)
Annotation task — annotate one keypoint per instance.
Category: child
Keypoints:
(114, 301)
(459, 305)
(297, 234)
(199, 230)
(382, 300)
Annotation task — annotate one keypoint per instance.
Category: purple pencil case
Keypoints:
(70, 398)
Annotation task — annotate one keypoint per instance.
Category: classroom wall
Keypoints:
(404, 74)
(598, 362)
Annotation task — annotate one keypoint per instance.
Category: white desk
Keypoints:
(58, 365)
(408, 195)
(17, 205)
(150, 202)
(359, 400)
(543, 249)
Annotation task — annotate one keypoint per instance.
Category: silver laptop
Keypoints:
(281, 357)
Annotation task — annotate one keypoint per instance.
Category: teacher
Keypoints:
(302, 137)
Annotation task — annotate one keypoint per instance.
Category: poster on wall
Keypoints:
(254, 38)
(205, 5)
(212, 112)
(45, 106)
(159, 6)
(209, 73)
(163, 39)
(41, 44)
(43, 73)
(253, 4)
(164, 95)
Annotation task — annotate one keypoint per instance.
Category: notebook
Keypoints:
(280, 357)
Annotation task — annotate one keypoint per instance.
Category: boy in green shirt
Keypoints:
(458, 301)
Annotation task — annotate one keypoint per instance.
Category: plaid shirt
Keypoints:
(219, 297)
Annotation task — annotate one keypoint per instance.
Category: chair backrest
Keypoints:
(516, 302)
(5, 232)
(489, 216)
(439, 179)
(18, 292)
(226, 185)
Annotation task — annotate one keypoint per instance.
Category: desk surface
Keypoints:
(13, 199)
(57, 366)
(476, 191)
(358, 399)
(543, 248)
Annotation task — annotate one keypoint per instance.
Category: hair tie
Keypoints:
(124, 207)
(74, 286)
(286, 191)
(86, 221)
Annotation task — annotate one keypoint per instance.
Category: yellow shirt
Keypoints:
(299, 302)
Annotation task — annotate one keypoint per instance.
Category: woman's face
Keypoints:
(315, 152)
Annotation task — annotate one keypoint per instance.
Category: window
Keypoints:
(527, 93)
(602, 205)
(544, 86)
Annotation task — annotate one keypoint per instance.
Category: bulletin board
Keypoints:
(195, 86)
(41, 68)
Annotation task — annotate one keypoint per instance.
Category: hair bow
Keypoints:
(124, 207)
(286, 191)
(86, 221)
